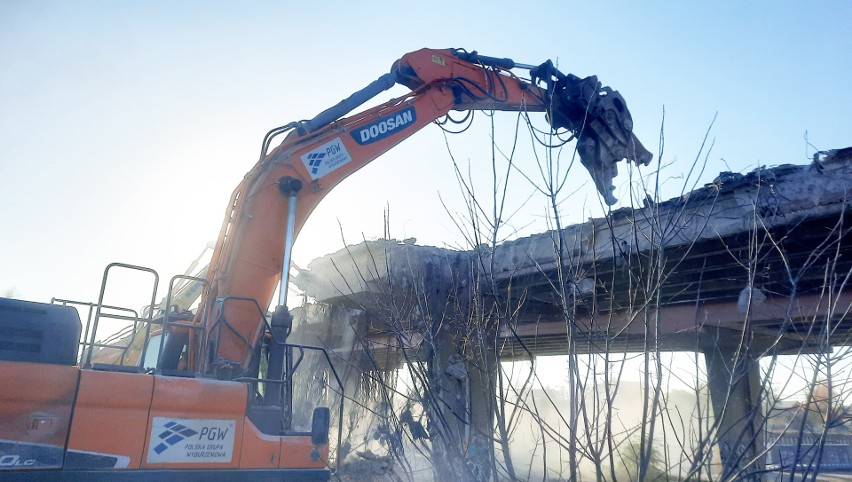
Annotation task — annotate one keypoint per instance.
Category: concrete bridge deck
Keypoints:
(769, 249)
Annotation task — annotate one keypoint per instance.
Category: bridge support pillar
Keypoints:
(733, 377)
(460, 399)
(462, 410)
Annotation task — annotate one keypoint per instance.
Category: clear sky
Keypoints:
(124, 126)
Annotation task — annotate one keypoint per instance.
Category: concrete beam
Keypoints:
(686, 319)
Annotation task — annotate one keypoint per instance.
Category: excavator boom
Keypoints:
(323, 151)
(207, 408)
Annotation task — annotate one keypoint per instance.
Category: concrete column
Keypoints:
(482, 373)
(461, 370)
(447, 403)
(462, 401)
(733, 379)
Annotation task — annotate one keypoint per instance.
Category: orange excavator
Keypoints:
(211, 395)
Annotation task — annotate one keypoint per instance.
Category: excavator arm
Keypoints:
(272, 203)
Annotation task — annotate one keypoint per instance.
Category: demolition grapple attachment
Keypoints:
(598, 117)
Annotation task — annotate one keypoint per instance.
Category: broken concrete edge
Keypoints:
(732, 203)
(380, 266)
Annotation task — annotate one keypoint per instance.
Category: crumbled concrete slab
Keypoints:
(375, 267)
(780, 195)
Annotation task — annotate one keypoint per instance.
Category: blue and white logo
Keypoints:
(173, 433)
(385, 126)
(325, 158)
(182, 440)
(314, 161)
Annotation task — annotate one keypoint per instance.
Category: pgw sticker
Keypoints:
(182, 440)
(326, 158)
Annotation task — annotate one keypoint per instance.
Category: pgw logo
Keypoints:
(184, 440)
(173, 433)
(314, 160)
(326, 158)
(213, 433)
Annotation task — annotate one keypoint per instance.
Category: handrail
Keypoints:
(337, 379)
(101, 300)
(220, 319)
(83, 342)
(167, 313)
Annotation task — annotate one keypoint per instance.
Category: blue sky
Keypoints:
(124, 126)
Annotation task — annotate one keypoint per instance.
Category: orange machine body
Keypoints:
(114, 422)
